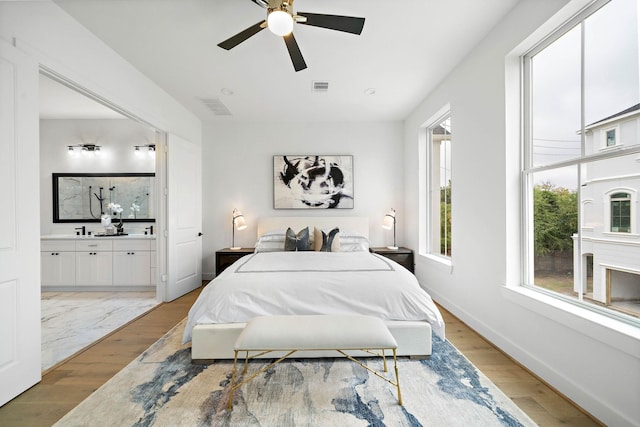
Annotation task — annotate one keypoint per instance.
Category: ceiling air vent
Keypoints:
(320, 86)
(215, 105)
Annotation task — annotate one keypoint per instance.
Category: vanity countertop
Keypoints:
(74, 237)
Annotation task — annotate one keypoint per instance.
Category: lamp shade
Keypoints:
(280, 22)
(389, 220)
(238, 220)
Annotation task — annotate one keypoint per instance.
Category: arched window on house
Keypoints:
(620, 213)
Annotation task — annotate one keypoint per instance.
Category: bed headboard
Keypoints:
(358, 224)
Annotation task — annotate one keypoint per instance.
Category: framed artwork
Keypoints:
(312, 182)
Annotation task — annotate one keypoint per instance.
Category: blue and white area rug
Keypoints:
(162, 388)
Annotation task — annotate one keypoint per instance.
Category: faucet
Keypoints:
(150, 228)
(83, 229)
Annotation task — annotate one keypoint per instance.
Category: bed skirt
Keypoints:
(215, 341)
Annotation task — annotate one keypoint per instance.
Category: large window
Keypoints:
(440, 187)
(581, 100)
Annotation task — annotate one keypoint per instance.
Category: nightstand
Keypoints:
(403, 256)
(225, 257)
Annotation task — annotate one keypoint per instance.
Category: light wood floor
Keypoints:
(63, 387)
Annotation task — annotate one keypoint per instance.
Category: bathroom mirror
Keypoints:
(83, 197)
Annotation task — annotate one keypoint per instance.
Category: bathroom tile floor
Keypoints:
(72, 321)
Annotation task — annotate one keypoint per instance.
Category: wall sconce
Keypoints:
(83, 148)
(239, 223)
(150, 148)
(388, 222)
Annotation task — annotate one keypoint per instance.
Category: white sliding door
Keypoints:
(19, 224)
(184, 216)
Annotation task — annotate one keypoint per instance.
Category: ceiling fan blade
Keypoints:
(348, 24)
(294, 52)
(261, 3)
(234, 41)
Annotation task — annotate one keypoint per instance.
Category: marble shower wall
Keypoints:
(78, 197)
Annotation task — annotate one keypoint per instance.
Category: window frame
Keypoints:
(528, 169)
(605, 137)
(433, 197)
(630, 197)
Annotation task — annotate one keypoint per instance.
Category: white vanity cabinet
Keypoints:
(58, 263)
(131, 262)
(94, 262)
(98, 263)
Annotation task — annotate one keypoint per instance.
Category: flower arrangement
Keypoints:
(116, 209)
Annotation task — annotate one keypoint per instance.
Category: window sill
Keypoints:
(438, 261)
(611, 148)
(615, 333)
(620, 234)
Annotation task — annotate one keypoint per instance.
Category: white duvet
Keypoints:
(307, 283)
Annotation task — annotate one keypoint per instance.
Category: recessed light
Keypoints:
(370, 91)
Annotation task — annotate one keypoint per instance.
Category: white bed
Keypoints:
(307, 283)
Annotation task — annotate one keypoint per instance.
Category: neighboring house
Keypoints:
(610, 245)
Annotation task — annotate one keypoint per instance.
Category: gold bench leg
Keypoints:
(233, 376)
(395, 365)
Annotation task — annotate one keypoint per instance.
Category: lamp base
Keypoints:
(235, 248)
(393, 248)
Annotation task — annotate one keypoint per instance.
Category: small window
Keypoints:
(440, 187)
(610, 136)
(438, 196)
(621, 213)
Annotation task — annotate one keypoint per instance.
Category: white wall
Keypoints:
(592, 360)
(116, 137)
(238, 171)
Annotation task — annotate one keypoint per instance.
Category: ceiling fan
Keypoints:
(280, 20)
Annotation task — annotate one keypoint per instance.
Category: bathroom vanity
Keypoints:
(98, 263)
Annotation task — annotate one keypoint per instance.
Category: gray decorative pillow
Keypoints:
(297, 242)
(327, 240)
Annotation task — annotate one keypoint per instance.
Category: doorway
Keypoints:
(76, 315)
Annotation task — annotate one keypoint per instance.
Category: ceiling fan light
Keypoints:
(280, 23)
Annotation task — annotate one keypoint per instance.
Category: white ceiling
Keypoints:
(405, 49)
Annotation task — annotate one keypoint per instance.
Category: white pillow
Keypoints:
(271, 241)
(277, 235)
(350, 242)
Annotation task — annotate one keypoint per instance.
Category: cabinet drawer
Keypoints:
(57, 245)
(131, 245)
(93, 245)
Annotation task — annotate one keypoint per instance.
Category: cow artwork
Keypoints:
(313, 181)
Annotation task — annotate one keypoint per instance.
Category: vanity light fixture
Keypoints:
(239, 223)
(389, 222)
(150, 148)
(83, 148)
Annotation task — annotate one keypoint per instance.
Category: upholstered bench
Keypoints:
(340, 333)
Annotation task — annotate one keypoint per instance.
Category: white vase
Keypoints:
(105, 220)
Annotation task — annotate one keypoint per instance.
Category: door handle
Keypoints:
(199, 234)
